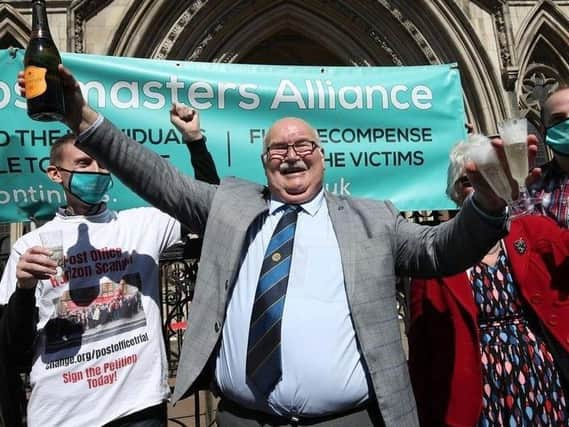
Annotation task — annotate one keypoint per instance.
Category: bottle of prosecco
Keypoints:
(44, 88)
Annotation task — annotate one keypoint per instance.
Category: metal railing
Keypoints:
(3, 261)
(178, 270)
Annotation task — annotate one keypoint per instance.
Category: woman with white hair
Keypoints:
(489, 346)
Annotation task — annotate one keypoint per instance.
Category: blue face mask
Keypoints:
(89, 187)
(557, 137)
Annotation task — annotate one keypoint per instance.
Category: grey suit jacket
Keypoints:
(376, 244)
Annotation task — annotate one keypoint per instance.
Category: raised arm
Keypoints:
(150, 176)
(448, 248)
(187, 121)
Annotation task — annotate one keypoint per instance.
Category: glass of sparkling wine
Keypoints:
(481, 152)
(514, 133)
(53, 240)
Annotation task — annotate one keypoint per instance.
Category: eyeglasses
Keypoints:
(301, 148)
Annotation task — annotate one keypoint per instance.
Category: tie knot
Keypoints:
(291, 208)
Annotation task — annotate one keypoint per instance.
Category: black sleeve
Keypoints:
(202, 162)
(18, 326)
(17, 333)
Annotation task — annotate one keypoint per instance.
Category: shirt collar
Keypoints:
(311, 207)
(67, 211)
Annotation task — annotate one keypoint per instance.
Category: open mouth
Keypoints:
(292, 169)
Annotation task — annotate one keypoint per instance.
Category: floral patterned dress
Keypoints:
(521, 384)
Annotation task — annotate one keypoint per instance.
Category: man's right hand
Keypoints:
(187, 121)
(78, 115)
(35, 264)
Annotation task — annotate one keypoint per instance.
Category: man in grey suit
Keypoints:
(336, 358)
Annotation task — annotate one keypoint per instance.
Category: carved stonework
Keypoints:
(241, 8)
(77, 35)
(165, 48)
(200, 47)
(502, 35)
(508, 65)
(227, 56)
(378, 39)
(356, 19)
(360, 62)
(413, 31)
(374, 34)
(537, 83)
(169, 41)
(163, 51)
(79, 12)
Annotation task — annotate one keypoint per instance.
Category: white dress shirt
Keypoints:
(322, 367)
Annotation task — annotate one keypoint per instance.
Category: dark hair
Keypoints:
(559, 88)
(57, 147)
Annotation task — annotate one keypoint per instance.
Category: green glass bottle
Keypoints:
(44, 88)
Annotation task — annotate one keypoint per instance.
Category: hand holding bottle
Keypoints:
(78, 115)
(44, 95)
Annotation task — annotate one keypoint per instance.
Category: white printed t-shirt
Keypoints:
(100, 353)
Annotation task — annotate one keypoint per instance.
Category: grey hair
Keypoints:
(456, 171)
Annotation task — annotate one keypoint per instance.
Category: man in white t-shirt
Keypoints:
(99, 353)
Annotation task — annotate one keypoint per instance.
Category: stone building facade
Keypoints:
(511, 53)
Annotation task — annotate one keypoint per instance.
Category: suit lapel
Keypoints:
(248, 203)
(343, 228)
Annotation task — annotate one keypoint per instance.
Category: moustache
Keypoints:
(297, 166)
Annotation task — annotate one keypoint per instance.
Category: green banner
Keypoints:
(386, 131)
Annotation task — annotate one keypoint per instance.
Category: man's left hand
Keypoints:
(484, 196)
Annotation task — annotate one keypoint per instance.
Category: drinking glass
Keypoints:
(514, 133)
(481, 151)
(53, 240)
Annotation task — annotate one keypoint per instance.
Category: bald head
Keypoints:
(285, 122)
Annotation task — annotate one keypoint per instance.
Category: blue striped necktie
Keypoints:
(264, 369)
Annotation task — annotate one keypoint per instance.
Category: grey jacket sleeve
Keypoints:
(449, 248)
(150, 176)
